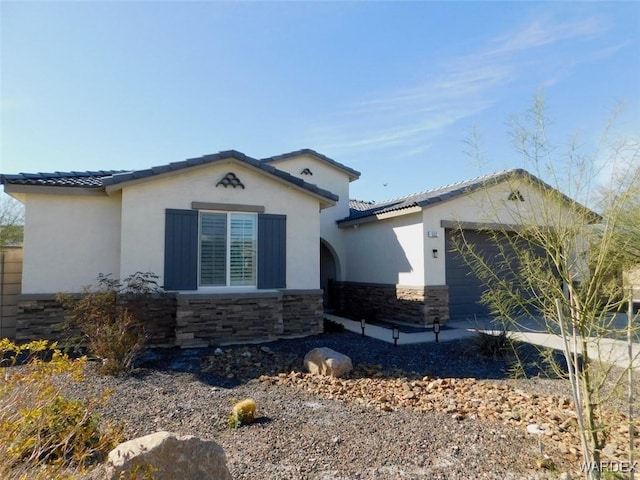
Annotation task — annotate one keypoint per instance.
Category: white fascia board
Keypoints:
(381, 216)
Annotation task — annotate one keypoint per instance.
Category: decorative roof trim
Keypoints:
(121, 180)
(101, 182)
(230, 180)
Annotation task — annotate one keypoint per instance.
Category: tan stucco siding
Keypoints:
(144, 205)
(492, 206)
(390, 251)
(332, 179)
(68, 241)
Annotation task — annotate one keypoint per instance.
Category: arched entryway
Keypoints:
(329, 269)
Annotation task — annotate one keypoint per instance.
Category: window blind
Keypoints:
(213, 249)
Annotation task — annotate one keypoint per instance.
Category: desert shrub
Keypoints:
(243, 412)
(111, 318)
(489, 345)
(43, 433)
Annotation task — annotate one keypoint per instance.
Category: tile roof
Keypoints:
(308, 151)
(60, 179)
(359, 210)
(216, 157)
(106, 178)
(360, 205)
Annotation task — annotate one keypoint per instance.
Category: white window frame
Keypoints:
(227, 286)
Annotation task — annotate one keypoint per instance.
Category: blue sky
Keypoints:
(391, 89)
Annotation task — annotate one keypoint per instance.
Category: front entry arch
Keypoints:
(329, 269)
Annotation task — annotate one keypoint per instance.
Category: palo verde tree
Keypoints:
(565, 234)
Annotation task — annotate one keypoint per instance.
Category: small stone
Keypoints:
(610, 449)
(534, 429)
(218, 351)
(327, 362)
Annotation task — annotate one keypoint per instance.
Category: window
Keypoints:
(228, 246)
(205, 249)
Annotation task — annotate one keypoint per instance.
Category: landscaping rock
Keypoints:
(327, 362)
(165, 455)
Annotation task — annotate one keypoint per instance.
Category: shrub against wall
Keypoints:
(111, 317)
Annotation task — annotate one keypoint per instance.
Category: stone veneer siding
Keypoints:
(419, 305)
(220, 319)
(190, 320)
(39, 317)
(303, 313)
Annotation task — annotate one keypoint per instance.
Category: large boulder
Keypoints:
(324, 361)
(167, 456)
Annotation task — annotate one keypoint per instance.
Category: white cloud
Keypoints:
(459, 88)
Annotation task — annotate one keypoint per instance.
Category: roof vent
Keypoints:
(230, 179)
(516, 196)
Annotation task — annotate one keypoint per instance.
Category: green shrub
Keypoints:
(43, 433)
(111, 318)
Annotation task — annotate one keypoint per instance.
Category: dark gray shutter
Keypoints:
(272, 251)
(181, 250)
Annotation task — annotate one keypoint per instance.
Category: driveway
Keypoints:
(609, 350)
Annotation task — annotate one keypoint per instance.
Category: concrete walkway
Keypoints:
(608, 350)
(450, 332)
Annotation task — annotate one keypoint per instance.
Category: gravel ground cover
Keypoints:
(430, 411)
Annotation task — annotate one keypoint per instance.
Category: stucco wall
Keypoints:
(489, 206)
(332, 179)
(388, 252)
(68, 241)
(400, 250)
(144, 204)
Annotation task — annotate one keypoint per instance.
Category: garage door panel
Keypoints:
(465, 288)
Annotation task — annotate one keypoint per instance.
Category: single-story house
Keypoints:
(255, 249)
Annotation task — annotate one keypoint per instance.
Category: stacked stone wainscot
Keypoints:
(193, 320)
(247, 317)
(373, 301)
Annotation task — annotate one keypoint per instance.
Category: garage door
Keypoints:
(465, 289)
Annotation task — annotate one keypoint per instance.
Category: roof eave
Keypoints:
(350, 172)
(12, 188)
(112, 184)
(344, 223)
